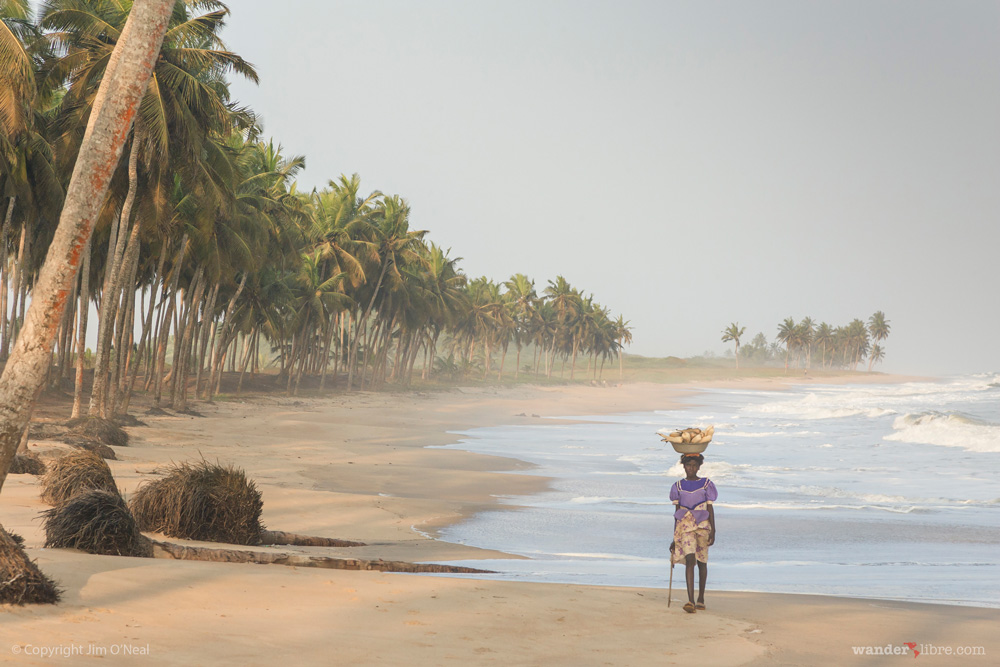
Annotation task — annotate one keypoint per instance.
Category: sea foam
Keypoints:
(948, 429)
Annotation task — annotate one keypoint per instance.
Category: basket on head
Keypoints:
(689, 448)
(688, 440)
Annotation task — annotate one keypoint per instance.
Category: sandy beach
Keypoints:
(356, 467)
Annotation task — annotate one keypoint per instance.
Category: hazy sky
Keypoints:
(691, 164)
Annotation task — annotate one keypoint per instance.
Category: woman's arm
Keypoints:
(711, 522)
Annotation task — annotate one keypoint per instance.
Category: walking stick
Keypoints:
(670, 590)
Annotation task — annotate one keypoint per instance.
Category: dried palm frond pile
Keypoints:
(201, 501)
(27, 464)
(73, 473)
(98, 429)
(82, 442)
(21, 582)
(97, 522)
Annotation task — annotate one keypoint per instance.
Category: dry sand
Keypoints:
(356, 467)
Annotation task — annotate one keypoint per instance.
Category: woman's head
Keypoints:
(691, 463)
(692, 458)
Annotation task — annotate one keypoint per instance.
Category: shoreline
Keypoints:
(684, 396)
(357, 467)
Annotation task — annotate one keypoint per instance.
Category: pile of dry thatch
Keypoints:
(27, 464)
(21, 582)
(76, 472)
(99, 430)
(201, 501)
(98, 522)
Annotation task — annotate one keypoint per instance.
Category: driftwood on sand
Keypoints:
(181, 552)
(292, 539)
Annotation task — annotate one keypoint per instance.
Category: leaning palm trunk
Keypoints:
(219, 352)
(3, 267)
(207, 323)
(17, 281)
(115, 105)
(161, 350)
(65, 335)
(180, 370)
(125, 336)
(113, 283)
(147, 327)
(81, 340)
(354, 344)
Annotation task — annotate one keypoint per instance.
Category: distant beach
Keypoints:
(358, 467)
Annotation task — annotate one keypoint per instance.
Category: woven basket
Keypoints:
(688, 448)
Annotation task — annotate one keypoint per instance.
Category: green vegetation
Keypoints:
(843, 347)
(206, 256)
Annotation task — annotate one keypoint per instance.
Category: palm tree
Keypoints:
(857, 335)
(391, 243)
(878, 329)
(786, 335)
(733, 333)
(444, 285)
(623, 334)
(523, 304)
(115, 106)
(823, 337)
(181, 105)
(805, 332)
(17, 71)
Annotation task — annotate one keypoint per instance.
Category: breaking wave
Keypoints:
(948, 429)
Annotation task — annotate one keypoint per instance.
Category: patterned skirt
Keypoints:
(691, 538)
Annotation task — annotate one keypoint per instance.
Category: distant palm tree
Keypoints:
(786, 335)
(878, 329)
(733, 333)
(877, 355)
(823, 337)
(857, 334)
(623, 334)
(805, 332)
(523, 303)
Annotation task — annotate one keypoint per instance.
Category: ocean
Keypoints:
(882, 491)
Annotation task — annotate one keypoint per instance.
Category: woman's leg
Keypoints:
(702, 576)
(689, 562)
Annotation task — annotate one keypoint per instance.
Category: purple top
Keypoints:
(693, 496)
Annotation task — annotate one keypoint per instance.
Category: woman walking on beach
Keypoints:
(694, 526)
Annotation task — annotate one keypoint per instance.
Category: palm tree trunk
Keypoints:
(81, 339)
(164, 337)
(207, 326)
(126, 328)
(371, 304)
(249, 341)
(117, 100)
(187, 343)
(4, 342)
(223, 333)
(66, 329)
(113, 282)
(503, 358)
(17, 277)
